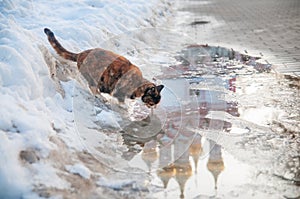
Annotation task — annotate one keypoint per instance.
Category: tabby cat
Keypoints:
(110, 73)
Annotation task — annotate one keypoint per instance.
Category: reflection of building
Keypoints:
(209, 100)
(196, 149)
(166, 168)
(165, 174)
(186, 111)
(185, 145)
(215, 162)
(196, 98)
(183, 171)
(149, 153)
(182, 165)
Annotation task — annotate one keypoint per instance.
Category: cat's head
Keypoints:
(151, 95)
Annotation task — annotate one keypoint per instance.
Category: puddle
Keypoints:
(182, 145)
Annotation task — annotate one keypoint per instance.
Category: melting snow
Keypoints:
(37, 109)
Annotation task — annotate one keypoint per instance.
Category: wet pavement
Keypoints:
(271, 27)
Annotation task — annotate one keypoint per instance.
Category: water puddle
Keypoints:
(185, 144)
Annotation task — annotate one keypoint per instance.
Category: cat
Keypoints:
(107, 72)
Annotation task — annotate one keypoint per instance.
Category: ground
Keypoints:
(227, 125)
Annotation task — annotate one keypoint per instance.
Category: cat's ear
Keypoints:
(159, 88)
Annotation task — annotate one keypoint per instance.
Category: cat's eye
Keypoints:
(150, 90)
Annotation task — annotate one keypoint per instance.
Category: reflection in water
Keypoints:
(165, 173)
(196, 150)
(194, 102)
(215, 162)
(181, 168)
(187, 164)
(175, 151)
(182, 165)
(149, 153)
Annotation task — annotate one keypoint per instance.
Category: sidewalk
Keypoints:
(270, 27)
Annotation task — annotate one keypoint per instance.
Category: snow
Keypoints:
(37, 109)
(49, 176)
(10, 168)
(115, 184)
(80, 170)
(108, 118)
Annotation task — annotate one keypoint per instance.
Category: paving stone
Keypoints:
(268, 26)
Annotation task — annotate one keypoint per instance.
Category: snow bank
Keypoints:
(33, 109)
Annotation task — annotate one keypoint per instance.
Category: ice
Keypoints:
(262, 116)
(79, 169)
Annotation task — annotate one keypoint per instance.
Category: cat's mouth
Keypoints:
(151, 101)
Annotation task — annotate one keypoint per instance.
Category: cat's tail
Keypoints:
(58, 47)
